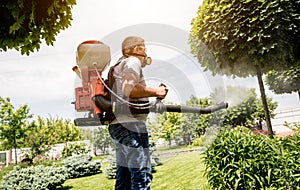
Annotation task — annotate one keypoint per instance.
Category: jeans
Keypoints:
(132, 154)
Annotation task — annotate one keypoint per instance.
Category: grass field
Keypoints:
(179, 171)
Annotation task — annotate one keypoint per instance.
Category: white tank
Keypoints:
(91, 53)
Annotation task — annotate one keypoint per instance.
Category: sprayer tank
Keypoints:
(91, 53)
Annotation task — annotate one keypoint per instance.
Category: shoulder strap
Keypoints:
(109, 83)
(110, 75)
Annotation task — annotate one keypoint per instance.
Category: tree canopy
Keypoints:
(232, 37)
(16, 131)
(247, 38)
(287, 81)
(12, 124)
(25, 23)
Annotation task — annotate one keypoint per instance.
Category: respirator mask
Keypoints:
(145, 61)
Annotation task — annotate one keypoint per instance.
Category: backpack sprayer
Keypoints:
(92, 58)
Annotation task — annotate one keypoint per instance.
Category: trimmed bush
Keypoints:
(155, 160)
(50, 177)
(34, 178)
(81, 165)
(239, 159)
(111, 169)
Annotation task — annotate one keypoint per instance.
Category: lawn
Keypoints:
(181, 171)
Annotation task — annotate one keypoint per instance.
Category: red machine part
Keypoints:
(92, 57)
(91, 86)
(83, 102)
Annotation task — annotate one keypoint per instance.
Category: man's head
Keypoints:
(135, 46)
(131, 43)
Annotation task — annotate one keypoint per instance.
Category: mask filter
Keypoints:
(147, 60)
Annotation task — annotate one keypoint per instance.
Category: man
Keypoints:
(129, 130)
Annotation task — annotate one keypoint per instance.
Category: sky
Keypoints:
(44, 80)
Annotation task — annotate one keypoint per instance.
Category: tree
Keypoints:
(12, 124)
(194, 125)
(24, 23)
(61, 130)
(37, 138)
(165, 126)
(100, 138)
(247, 38)
(259, 113)
(286, 81)
(43, 133)
(242, 113)
(244, 110)
(181, 127)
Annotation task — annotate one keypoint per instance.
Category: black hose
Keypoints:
(102, 103)
(160, 108)
(107, 106)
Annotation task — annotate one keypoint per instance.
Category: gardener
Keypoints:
(129, 130)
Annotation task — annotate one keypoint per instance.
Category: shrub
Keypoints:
(74, 149)
(294, 126)
(155, 160)
(239, 159)
(81, 165)
(198, 141)
(34, 178)
(111, 169)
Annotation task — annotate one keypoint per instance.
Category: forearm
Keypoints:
(139, 91)
(132, 89)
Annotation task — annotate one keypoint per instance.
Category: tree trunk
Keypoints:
(299, 94)
(9, 157)
(264, 101)
(15, 146)
(16, 158)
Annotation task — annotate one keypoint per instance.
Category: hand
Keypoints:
(161, 91)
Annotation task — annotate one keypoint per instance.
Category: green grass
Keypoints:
(182, 171)
(95, 182)
(165, 149)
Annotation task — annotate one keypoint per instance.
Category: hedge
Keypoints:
(239, 159)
